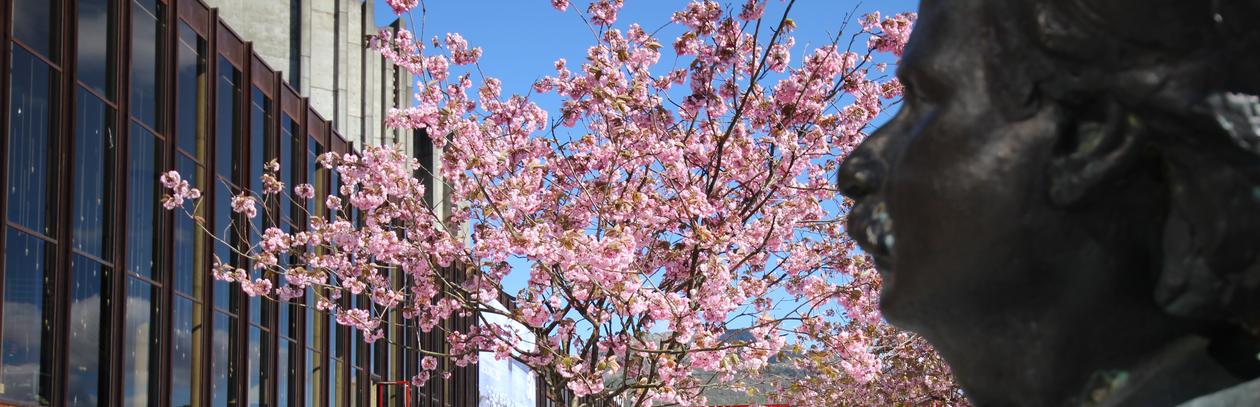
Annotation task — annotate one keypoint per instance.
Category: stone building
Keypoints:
(319, 46)
(106, 298)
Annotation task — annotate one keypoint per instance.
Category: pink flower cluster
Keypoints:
(889, 34)
(179, 190)
(402, 6)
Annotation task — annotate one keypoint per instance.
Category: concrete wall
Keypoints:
(346, 83)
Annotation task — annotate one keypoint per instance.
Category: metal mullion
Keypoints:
(243, 112)
(167, 300)
(211, 88)
(103, 262)
(28, 231)
(145, 279)
(93, 92)
(61, 289)
(134, 121)
(180, 151)
(122, 85)
(271, 135)
(5, 81)
(32, 51)
(185, 296)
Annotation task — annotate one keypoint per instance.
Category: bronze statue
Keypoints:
(1067, 204)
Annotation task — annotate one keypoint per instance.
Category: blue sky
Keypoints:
(522, 39)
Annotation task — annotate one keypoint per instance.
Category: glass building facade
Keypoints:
(107, 298)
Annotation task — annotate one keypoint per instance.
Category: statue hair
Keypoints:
(1183, 79)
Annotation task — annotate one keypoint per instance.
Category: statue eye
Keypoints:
(911, 92)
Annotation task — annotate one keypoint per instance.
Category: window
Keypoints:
(90, 300)
(191, 96)
(27, 363)
(290, 164)
(91, 208)
(316, 329)
(260, 309)
(147, 55)
(186, 351)
(189, 251)
(32, 144)
(259, 376)
(222, 369)
(191, 259)
(227, 297)
(145, 237)
(287, 355)
(36, 24)
(229, 95)
(92, 192)
(96, 50)
(142, 365)
(145, 242)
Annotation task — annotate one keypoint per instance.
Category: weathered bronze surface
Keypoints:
(1067, 204)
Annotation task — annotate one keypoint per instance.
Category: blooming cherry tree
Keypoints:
(679, 226)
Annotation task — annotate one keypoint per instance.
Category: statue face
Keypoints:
(951, 195)
(1027, 247)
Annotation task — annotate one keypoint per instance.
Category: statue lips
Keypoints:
(868, 222)
(870, 226)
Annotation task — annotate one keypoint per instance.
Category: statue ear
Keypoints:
(1091, 149)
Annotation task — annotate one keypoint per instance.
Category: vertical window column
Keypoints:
(191, 259)
(28, 324)
(260, 325)
(227, 169)
(146, 220)
(93, 183)
(289, 351)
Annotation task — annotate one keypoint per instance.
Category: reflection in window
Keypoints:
(147, 55)
(314, 378)
(222, 364)
(92, 195)
(335, 380)
(260, 311)
(190, 104)
(26, 366)
(141, 369)
(289, 167)
(259, 376)
(144, 219)
(35, 23)
(287, 372)
(96, 50)
(190, 257)
(90, 300)
(315, 175)
(225, 294)
(187, 356)
(32, 143)
(226, 120)
(258, 135)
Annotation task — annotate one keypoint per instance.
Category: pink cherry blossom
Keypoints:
(674, 215)
(244, 204)
(402, 6)
(304, 191)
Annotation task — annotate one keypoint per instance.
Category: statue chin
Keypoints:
(1072, 185)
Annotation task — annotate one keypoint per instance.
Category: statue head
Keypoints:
(1070, 191)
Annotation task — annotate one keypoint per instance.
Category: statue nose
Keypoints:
(860, 175)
